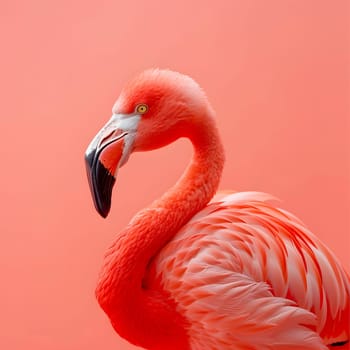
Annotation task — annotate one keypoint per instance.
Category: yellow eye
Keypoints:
(141, 108)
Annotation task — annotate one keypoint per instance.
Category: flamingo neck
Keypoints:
(138, 313)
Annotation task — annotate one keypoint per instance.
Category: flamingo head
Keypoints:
(153, 110)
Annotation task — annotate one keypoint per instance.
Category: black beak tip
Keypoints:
(101, 183)
(102, 209)
(104, 215)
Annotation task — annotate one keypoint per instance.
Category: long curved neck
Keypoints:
(119, 291)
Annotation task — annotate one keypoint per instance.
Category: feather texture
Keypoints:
(250, 274)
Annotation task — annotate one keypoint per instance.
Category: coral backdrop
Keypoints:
(277, 73)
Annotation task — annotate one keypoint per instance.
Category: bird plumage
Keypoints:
(238, 272)
(250, 274)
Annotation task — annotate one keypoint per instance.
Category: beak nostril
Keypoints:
(106, 138)
(119, 132)
(112, 135)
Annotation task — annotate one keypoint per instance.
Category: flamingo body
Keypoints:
(244, 272)
(237, 273)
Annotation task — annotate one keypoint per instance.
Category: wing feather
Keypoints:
(235, 253)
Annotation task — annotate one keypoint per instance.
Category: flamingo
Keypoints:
(196, 272)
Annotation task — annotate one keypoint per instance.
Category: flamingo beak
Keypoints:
(107, 152)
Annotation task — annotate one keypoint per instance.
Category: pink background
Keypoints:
(277, 73)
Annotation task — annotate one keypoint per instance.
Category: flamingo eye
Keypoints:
(141, 108)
